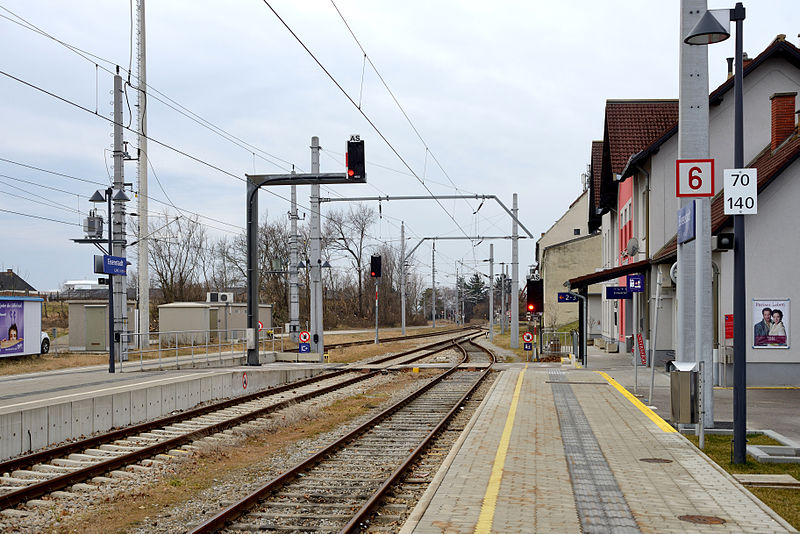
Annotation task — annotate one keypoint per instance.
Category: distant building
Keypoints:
(11, 283)
(564, 251)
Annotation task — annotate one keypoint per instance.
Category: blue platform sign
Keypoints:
(617, 292)
(528, 346)
(636, 283)
(567, 297)
(114, 265)
(686, 223)
(304, 347)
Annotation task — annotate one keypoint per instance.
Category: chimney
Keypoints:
(730, 67)
(782, 117)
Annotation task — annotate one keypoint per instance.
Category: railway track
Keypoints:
(402, 338)
(38, 474)
(336, 489)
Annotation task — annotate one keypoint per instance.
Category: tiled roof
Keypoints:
(779, 47)
(635, 124)
(630, 127)
(597, 167)
(11, 281)
(769, 164)
(595, 219)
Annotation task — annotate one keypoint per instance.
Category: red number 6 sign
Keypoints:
(694, 177)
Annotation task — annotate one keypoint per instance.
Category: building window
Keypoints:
(576, 231)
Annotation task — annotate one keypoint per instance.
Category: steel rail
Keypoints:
(46, 455)
(360, 519)
(44, 487)
(33, 491)
(239, 508)
(398, 338)
(88, 443)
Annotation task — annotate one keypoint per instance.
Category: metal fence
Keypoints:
(554, 342)
(201, 346)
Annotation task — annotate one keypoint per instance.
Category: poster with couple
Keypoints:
(771, 323)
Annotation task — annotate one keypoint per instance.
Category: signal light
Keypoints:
(535, 298)
(375, 266)
(354, 159)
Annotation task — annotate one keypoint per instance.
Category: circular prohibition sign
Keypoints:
(305, 337)
(527, 337)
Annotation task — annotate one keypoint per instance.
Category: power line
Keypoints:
(396, 101)
(361, 111)
(40, 217)
(151, 91)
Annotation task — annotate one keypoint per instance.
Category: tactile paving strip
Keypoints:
(600, 503)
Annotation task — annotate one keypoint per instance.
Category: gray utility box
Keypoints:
(683, 392)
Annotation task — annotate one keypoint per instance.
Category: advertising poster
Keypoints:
(771, 323)
(11, 327)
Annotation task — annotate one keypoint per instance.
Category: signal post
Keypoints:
(355, 174)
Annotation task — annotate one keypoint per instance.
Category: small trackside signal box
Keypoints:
(354, 159)
(375, 266)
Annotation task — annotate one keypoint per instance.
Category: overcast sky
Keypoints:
(507, 96)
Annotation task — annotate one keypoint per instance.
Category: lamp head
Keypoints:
(710, 29)
(98, 196)
(120, 196)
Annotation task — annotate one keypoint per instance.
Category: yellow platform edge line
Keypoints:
(760, 387)
(486, 517)
(653, 416)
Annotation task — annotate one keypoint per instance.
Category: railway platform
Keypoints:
(554, 448)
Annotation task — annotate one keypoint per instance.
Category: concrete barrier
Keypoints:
(28, 430)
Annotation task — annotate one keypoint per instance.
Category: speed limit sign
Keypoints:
(741, 191)
(694, 177)
(304, 337)
(527, 337)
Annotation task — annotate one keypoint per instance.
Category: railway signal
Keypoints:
(375, 266)
(354, 159)
(534, 296)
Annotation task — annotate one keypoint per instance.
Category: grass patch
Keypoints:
(786, 502)
(49, 362)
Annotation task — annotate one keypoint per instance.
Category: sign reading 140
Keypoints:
(741, 191)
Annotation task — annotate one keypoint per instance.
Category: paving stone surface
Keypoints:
(537, 492)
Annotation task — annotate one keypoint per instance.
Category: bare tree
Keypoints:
(347, 232)
(173, 257)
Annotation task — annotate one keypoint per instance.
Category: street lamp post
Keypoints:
(107, 196)
(708, 30)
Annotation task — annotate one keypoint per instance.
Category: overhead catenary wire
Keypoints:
(368, 59)
(363, 114)
(151, 92)
(200, 160)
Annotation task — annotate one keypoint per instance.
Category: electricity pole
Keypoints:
(118, 228)
(514, 341)
(403, 277)
(294, 298)
(315, 267)
(142, 264)
(491, 292)
(433, 284)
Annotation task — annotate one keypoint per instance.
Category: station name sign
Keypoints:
(106, 264)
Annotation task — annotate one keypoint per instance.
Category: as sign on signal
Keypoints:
(741, 191)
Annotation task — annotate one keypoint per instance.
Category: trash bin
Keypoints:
(683, 392)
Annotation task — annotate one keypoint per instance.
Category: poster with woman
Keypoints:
(771, 323)
(11, 325)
